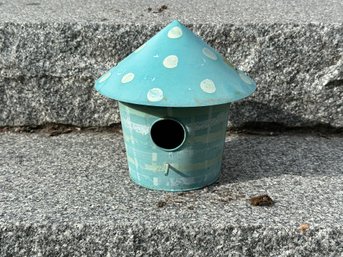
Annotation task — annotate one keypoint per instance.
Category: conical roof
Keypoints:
(175, 68)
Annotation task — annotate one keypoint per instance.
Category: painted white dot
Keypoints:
(140, 48)
(175, 32)
(155, 94)
(209, 53)
(208, 86)
(245, 78)
(104, 77)
(127, 77)
(170, 61)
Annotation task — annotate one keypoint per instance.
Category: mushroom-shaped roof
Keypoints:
(175, 68)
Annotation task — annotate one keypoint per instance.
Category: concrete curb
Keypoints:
(70, 195)
(79, 239)
(48, 65)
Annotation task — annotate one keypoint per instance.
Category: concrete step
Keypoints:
(70, 195)
(51, 52)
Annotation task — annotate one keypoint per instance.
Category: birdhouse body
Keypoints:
(173, 95)
(174, 149)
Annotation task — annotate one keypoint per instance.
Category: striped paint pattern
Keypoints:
(194, 165)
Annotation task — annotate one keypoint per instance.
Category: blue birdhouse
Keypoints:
(173, 95)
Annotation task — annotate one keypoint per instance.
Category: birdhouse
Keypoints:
(173, 94)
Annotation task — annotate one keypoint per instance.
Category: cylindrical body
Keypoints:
(174, 149)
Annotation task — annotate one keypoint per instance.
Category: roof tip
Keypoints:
(176, 22)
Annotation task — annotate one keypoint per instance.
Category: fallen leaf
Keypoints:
(303, 227)
(261, 200)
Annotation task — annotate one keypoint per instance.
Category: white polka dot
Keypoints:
(209, 53)
(127, 77)
(155, 94)
(175, 32)
(105, 77)
(245, 78)
(140, 48)
(170, 61)
(208, 86)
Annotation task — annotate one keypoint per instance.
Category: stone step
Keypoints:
(70, 195)
(51, 53)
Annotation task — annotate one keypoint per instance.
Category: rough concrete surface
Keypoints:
(138, 11)
(52, 51)
(70, 195)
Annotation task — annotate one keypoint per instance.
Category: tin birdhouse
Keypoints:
(173, 95)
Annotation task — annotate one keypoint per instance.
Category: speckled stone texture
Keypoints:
(51, 52)
(71, 195)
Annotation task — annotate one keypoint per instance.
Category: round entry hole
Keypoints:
(168, 134)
